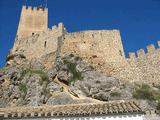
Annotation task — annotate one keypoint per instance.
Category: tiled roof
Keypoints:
(105, 108)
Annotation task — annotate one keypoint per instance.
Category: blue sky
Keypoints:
(138, 20)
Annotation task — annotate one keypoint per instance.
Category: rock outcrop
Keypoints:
(70, 80)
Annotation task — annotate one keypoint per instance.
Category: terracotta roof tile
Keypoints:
(115, 107)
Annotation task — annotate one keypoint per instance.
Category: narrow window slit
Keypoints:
(45, 44)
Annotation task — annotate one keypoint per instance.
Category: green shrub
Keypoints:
(115, 94)
(157, 86)
(23, 88)
(9, 93)
(148, 93)
(144, 92)
(4, 69)
(23, 73)
(156, 95)
(158, 105)
(42, 74)
(72, 68)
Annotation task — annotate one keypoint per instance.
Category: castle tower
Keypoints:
(32, 20)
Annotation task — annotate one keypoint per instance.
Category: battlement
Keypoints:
(132, 55)
(158, 43)
(33, 20)
(60, 29)
(30, 8)
(151, 48)
(54, 27)
(141, 52)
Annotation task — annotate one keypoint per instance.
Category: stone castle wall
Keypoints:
(142, 67)
(96, 47)
(102, 48)
(32, 20)
(99, 47)
(93, 46)
(39, 45)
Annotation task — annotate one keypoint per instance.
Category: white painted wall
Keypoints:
(136, 117)
(120, 117)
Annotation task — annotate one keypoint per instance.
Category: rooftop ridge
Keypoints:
(115, 107)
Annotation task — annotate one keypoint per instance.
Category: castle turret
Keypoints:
(33, 20)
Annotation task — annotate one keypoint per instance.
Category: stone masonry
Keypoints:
(102, 48)
(32, 20)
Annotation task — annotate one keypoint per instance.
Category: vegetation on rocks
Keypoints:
(23, 88)
(30, 85)
(42, 74)
(77, 75)
(115, 94)
(3, 69)
(144, 91)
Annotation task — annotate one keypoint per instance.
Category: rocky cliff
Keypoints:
(70, 81)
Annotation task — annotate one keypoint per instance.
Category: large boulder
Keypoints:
(61, 98)
(84, 80)
(102, 87)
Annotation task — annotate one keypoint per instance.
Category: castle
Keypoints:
(101, 48)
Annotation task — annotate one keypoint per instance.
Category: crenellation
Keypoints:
(158, 43)
(54, 27)
(131, 55)
(46, 9)
(24, 8)
(27, 25)
(49, 29)
(30, 8)
(60, 28)
(151, 48)
(140, 53)
(35, 8)
(61, 25)
(41, 9)
(115, 30)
